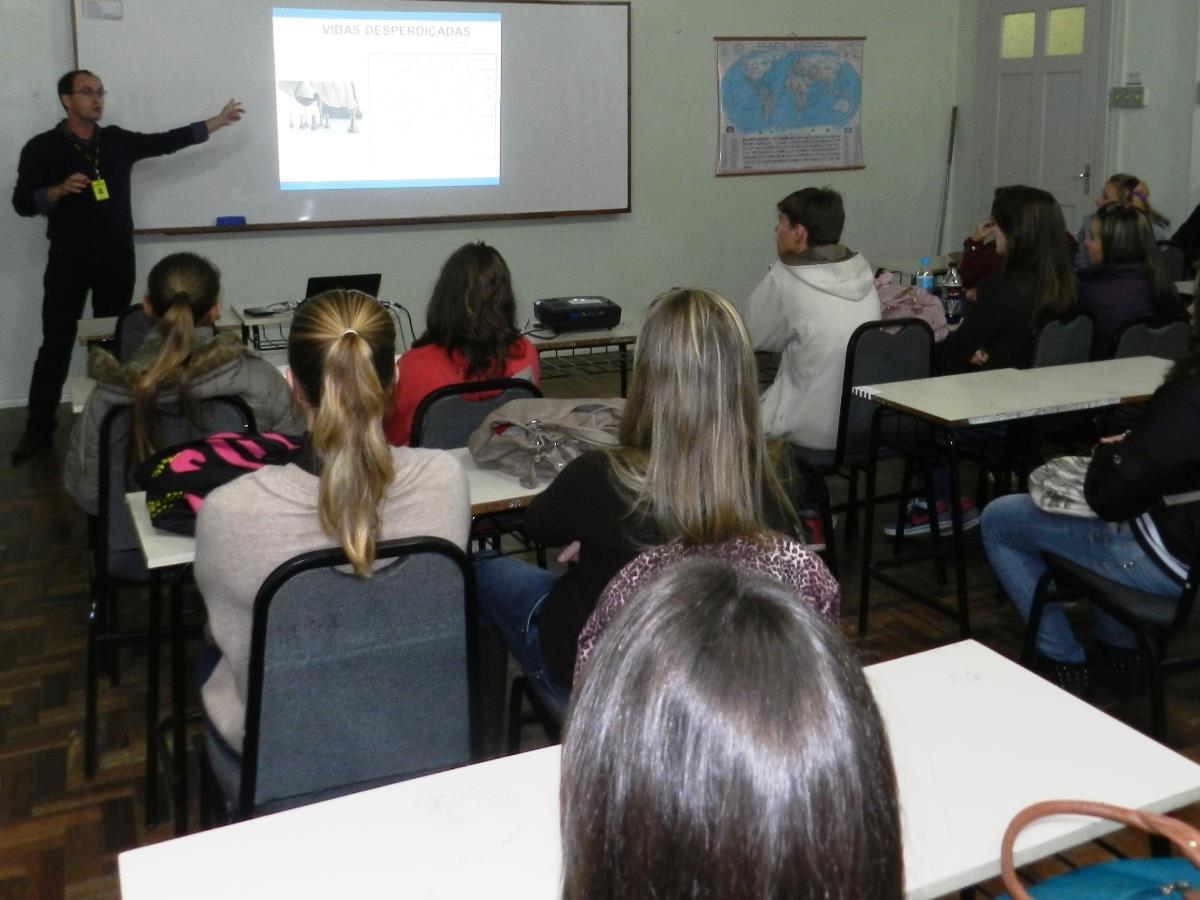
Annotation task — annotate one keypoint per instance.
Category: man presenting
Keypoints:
(806, 308)
(77, 175)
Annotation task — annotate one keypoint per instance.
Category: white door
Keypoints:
(1043, 68)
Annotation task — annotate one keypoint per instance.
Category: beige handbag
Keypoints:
(535, 438)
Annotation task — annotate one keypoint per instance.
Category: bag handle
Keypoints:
(1181, 834)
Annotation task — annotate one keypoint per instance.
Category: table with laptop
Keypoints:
(974, 738)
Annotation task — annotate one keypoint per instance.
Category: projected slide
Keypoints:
(386, 99)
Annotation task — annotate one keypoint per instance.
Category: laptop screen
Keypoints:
(368, 284)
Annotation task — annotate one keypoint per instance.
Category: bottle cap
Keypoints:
(924, 260)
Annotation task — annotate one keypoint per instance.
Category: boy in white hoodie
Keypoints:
(806, 308)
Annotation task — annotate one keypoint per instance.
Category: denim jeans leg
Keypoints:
(510, 593)
(1015, 532)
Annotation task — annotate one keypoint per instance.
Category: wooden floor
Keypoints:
(60, 833)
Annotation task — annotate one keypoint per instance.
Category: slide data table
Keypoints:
(975, 738)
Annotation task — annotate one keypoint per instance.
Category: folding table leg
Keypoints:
(868, 537)
(179, 703)
(153, 644)
(960, 568)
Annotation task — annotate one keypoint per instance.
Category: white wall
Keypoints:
(1158, 38)
(687, 227)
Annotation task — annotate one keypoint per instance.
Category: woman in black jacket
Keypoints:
(1038, 282)
(1138, 540)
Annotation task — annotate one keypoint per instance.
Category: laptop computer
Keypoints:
(367, 284)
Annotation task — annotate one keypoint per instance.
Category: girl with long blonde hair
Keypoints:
(346, 488)
(691, 471)
(183, 360)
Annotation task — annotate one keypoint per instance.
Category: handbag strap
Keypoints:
(1182, 835)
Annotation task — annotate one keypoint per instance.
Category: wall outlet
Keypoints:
(1130, 96)
(104, 9)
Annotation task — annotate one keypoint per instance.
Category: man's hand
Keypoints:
(72, 184)
(230, 113)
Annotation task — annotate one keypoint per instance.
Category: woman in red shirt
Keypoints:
(470, 335)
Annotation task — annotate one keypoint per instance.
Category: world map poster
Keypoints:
(789, 105)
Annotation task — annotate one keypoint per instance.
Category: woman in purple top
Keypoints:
(1126, 279)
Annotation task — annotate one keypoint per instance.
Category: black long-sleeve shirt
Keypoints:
(79, 223)
(1000, 322)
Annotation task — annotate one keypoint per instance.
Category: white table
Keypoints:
(490, 491)
(974, 737)
(980, 398)
(1187, 288)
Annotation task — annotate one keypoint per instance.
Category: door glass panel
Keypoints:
(1064, 31)
(1016, 35)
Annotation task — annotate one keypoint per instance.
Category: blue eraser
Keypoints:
(226, 221)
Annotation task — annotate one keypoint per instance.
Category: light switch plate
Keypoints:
(1130, 96)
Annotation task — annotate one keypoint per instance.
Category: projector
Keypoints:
(577, 313)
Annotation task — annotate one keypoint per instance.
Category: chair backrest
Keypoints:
(1062, 341)
(878, 352)
(445, 418)
(132, 327)
(114, 529)
(1166, 338)
(356, 682)
(1174, 259)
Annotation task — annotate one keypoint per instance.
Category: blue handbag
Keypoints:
(1125, 879)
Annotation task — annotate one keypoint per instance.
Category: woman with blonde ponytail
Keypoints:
(182, 361)
(346, 488)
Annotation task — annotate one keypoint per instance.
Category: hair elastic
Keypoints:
(348, 331)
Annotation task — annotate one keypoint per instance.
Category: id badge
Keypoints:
(99, 189)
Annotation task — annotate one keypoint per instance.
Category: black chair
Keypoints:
(877, 352)
(1155, 619)
(132, 327)
(1152, 336)
(355, 682)
(116, 558)
(1062, 341)
(1174, 258)
(445, 418)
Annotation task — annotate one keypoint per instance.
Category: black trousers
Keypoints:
(68, 279)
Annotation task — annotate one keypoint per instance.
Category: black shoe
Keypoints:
(1121, 668)
(31, 444)
(1071, 677)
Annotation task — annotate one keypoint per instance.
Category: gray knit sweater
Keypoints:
(246, 528)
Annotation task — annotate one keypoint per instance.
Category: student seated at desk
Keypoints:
(1122, 188)
(1037, 283)
(346, 487)
(1126, 279)
(723, 742)
(181, 360)
(691, 468)
(470, 335)
(1137, 540)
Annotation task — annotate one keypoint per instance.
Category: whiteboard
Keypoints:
(564, 114)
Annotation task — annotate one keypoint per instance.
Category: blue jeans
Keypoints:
(1015, 532)
(510, 594)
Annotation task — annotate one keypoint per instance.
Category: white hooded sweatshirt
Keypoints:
(807, 311)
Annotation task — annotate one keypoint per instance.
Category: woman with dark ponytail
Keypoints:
(181, 361)
(346, 487)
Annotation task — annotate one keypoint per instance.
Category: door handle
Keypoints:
(1086, 177)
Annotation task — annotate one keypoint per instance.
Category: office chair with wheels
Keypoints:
(355, 682)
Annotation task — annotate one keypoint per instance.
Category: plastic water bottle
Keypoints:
(953, 295)
(924, 275)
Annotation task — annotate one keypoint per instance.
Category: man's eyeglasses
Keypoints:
(90, 92)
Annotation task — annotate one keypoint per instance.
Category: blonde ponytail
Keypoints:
(182, 289)
(341, 351)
